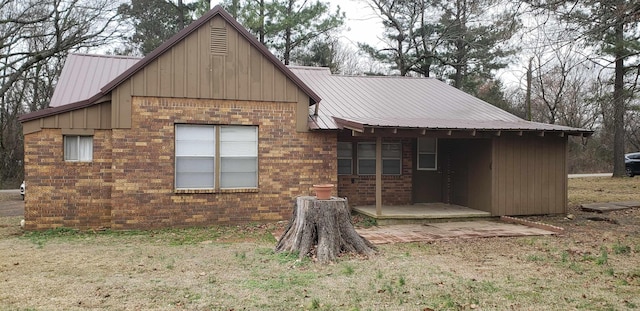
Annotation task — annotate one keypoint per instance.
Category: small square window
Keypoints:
(78, 148)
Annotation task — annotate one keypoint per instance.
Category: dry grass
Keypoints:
(595, 266)
(603, 189)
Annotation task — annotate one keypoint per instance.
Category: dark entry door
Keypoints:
(449, 181)
(456, 172)
(427, 177)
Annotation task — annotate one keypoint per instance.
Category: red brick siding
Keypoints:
(396, 190)
(143, 192)
(69, 194)
(130, 183)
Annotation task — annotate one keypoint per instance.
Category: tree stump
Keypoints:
(325, 224)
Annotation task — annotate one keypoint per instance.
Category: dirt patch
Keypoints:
(593, 265)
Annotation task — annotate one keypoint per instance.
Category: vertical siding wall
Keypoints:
(529, 175)
(191, 70)
(479, 166)
(143, 193)
(69, 194)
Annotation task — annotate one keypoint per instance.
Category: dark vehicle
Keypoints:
(632, 163)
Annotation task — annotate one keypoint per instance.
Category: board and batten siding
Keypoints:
(213, 62)
(94, 117)
(529, 175)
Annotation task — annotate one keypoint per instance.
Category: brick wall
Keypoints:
(130, 182)
(396, 190)
(69, 194)
(143, 166)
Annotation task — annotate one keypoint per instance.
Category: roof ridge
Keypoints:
(106, 56)
(388, 77)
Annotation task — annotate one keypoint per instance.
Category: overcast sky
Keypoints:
(362, 25)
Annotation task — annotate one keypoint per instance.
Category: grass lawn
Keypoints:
(595, 265)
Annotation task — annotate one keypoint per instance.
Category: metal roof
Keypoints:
(83, 75)
(406, 102)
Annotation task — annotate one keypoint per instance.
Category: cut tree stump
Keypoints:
(325, 225)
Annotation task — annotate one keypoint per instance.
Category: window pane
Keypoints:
(71, 148)
(391, 151)
(238, 148)
(391, 167)
(367, 150)
(367, 167)
(85, 152)
(195, 132)
(238, 133)
(238, 180)
(235, 165)
(194, 172)
(427, 161)
(426, 144)
(238, 141)
(239, 156)
(195, 140)
(239, 173)
(344, 166)
(345, 150)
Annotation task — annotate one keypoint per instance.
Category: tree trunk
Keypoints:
(619, 104)
(325, 224)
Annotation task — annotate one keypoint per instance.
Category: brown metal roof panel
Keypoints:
(83, 75)
(407, 102)
(395, 96)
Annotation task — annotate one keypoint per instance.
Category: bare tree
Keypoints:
(610, 29)
(35, 37)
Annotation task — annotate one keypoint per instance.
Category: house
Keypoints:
(211, 128)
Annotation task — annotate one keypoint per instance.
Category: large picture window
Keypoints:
(216, 157)
(391, 158)
(78, 148)
(427, 153)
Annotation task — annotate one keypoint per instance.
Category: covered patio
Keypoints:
(405, 142)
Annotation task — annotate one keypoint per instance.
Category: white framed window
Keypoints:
(345, 158)
(238, 157)
(427, 153)
(391, 158)
(78, 148)
(216, 156)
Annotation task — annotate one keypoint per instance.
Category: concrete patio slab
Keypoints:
(447, 230)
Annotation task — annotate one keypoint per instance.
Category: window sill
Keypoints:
(235, 190)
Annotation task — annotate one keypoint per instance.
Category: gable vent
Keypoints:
(218, 41)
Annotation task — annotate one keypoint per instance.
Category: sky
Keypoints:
(362, 24)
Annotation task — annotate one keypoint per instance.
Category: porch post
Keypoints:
(379, 176)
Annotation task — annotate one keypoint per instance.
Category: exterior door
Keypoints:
(427, 175)
(457, 172)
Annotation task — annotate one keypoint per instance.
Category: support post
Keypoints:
(379, 176)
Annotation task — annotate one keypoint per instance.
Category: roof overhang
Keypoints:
(451, 128)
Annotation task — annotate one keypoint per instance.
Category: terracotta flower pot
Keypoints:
(323, 191)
